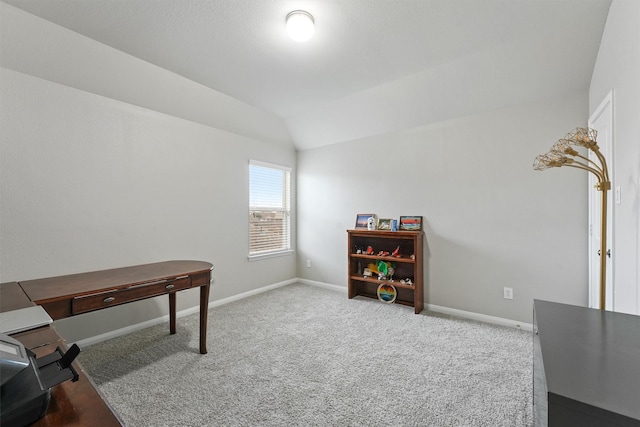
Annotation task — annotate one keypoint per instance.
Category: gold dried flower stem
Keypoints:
(563, 154)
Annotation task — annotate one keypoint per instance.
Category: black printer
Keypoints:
(26, 381)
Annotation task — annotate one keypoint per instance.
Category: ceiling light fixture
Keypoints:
(300, 25)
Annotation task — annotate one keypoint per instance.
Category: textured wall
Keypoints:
(491, 221)
(89, 183)
(42, 49)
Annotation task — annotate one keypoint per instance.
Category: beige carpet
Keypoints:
(307, 356)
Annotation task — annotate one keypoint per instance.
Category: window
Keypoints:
(269, 209)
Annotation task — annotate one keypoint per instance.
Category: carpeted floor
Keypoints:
(307, 356)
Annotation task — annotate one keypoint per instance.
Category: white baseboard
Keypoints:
(439, 309)
(247, 294)
(132, 328)
(342, 289)
(480, 317)
(192, 310)
(164, 319)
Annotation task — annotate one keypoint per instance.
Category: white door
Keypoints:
(602, 121)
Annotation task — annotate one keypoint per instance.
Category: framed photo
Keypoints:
(384, 224)
(362, 220)
(411, 223)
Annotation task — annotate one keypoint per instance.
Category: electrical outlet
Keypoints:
(508, 293)
(308, 263)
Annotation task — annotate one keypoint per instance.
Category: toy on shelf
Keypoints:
(392, 271)
(383, 269)
(372, 223)
(387, 293)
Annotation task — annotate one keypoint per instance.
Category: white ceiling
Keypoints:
(371, 65)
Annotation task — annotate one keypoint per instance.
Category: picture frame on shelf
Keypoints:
(411, 223)
(384, 224)
(362, 221)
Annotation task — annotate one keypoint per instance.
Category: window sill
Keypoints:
(269, 255)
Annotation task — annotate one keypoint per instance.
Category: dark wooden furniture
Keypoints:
(65, 296)
(586, 367)
(80, 403)
(77, 403)
(408, 265)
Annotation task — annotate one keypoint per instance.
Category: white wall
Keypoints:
(490, 220)
(89, 182)
(42, 49)
(617, 69)
(95, 172)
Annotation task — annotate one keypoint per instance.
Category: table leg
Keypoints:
(204, 309)
(172, 313)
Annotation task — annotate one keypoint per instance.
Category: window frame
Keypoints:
(286, 209)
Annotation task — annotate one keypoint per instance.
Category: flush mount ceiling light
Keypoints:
(300, 25)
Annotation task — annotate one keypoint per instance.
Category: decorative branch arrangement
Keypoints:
(563, 153)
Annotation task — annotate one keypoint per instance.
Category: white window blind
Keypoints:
(269, 209)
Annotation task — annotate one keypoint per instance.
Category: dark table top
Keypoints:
(590, 355)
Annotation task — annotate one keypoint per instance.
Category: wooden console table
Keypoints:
(80, 403)
(66, 296)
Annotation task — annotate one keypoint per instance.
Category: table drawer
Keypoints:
(91, 302)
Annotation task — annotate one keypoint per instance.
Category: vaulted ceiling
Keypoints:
(372, 67)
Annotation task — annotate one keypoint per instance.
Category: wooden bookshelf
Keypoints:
(407, 265)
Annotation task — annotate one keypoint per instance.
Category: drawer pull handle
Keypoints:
(170, 286)
(108, 300)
